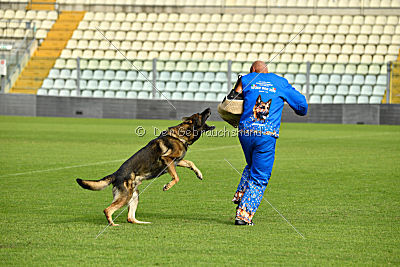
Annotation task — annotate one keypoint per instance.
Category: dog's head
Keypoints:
(261, 109)
(192, 127)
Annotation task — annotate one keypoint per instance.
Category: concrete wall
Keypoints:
(52, 106)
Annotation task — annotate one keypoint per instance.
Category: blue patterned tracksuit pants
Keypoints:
(259, 152)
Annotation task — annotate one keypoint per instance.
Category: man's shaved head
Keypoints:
(259, 67)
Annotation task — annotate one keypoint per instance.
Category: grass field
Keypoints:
(337, 184)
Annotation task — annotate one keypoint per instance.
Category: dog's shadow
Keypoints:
(155, 218)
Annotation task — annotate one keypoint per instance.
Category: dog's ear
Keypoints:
(258, 99)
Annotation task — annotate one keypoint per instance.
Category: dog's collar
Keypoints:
(183, 141)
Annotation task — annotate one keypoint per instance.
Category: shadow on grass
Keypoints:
(155, 218)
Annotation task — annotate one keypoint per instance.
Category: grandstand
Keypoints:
(339, 59)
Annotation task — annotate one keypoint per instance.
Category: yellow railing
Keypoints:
(394, 96)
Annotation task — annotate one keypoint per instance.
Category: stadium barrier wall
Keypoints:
(52, 106)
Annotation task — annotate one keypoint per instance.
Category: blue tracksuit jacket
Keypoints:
(264, 96)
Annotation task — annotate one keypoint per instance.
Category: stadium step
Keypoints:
(39, 63)
(45, 53)
(44, 58)
(41, 5)
(59, 35)
(36, 73)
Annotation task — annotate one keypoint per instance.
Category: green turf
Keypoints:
(337, 184)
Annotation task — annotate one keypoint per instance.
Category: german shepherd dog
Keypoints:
(159, 156)
(261, 109)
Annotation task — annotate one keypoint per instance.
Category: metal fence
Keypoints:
(16, 51)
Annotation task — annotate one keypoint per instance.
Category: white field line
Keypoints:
(98, 163)
(194, 151)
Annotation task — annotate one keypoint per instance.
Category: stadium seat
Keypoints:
(300, 79)
(87, 74)
(175, 76)
(199, 96)
(86, 93)
(97, 75)
(64, 93)
(104, 85)
(289, 77)
(160, 86)
(323, 79)
(176, 96)
(54, 74)
(58, 84)
(131, 94)
(147, 86)
(211, 97)
(319, 89)
(342, 90)
(41, 91)
(198, 77)
(70, 84)
(92, 85)
(366, 90)
(354, 90)
(215, 87)
(338, 99)
(193, 87)
(379, 90)
(65, 74)
(381, 80)
(363, 99)
(358, 80)
(126, 85)
(204, 87)
(109, 75)
(109, 94)
(351, 99)
(115, 85)
(182, 87)
(187, 76)
(326, 99)
(47, 84)
(120, 94)
(209, 77)
(375, 99)
(137, 86)
(330, 89)
(170, 86)
(188, 96)
(315, 99)
(347, 79)
(120, 75)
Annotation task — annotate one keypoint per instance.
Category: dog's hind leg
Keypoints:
(120, 199)
(172, 172)
(133, 203)
(190, 165)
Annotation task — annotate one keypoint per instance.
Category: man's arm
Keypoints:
(295, 99)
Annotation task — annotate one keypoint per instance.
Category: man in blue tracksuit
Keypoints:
(264, 95)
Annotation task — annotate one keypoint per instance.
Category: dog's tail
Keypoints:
(96, 185)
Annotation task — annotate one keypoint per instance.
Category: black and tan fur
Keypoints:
(261, 109)
(159, 156)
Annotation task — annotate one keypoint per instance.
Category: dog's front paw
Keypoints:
(166, 187)
(199, 175)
